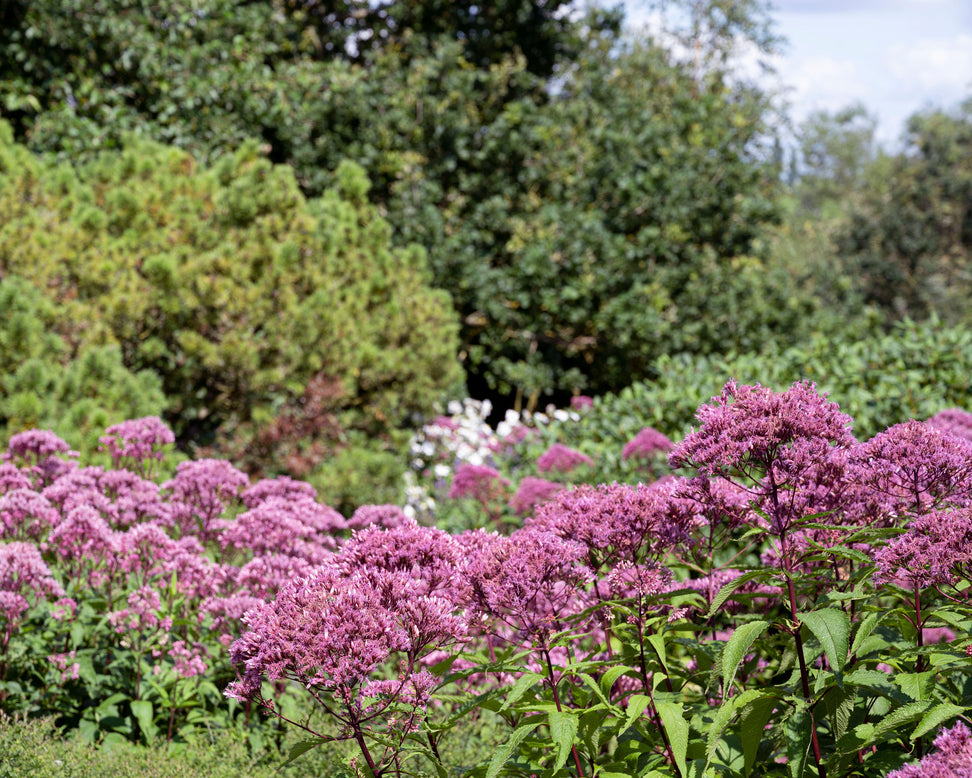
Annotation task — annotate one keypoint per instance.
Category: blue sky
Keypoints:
(895, 56)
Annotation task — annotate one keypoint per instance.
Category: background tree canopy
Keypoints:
(257, 198)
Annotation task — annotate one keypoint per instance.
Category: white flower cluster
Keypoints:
(438, 448)
(462, 437)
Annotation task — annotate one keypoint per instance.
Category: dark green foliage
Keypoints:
(589, 204)
(832, 157)
(351, 29)
(913, 372)
(234, 290)
(910, 238)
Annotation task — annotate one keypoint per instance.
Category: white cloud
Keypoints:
(933, 65)
(823, 82)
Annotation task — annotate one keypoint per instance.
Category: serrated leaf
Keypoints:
(876, 681)
(504, 751)
(752, 727)
(563, 730)
(864, 630)
(727, 590)
(831, 628)
(918, 686)
(636, 706)
(721, 721)
(677, 730)
(935, 717)
(303, 747)
(523, 684)
(903, 715)
(737, 647)
(799, 729)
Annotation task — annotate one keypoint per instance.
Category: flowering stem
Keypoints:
(359, 737)
(919, 748)
(804, 676)
(556, 696)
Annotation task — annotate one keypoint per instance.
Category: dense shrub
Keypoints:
(269, 319)
(44, 385)
(911, 373)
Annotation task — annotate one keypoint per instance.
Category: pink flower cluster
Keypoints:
(562, 459)
(952, 759)
(646, 444)
(137, 444)
(481, 483)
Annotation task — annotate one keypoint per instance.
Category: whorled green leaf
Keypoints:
(936, 716)
(677, 731)
(505, 751)
(563, 730)
(736, 648)
(831, 628)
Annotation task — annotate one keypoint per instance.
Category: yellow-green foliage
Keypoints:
(229, 284)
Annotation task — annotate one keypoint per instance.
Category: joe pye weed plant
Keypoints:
(793, 602)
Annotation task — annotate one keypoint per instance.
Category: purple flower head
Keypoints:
(25, 514)
(83, 537)
(143, 549)
(142, 613)
(562, 459)
(196, 575)
(646, 444)
(430, 556)
(133, 499)
(530, 582)
(188, 661)
(617, 521)
(23, 576)
(930, 552)
(954, 420)
(532, 492)
(40, 453)
(297, 526)
(718, 503)
(200, 493)
(330, 632)
(918, 466)
(478, 482)
(137, 444)
(952, 759)
(581, 402)
(263, 576)
(282, 486)
(747, 427)
(641, 581)
(12, 478)
(387, 516)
